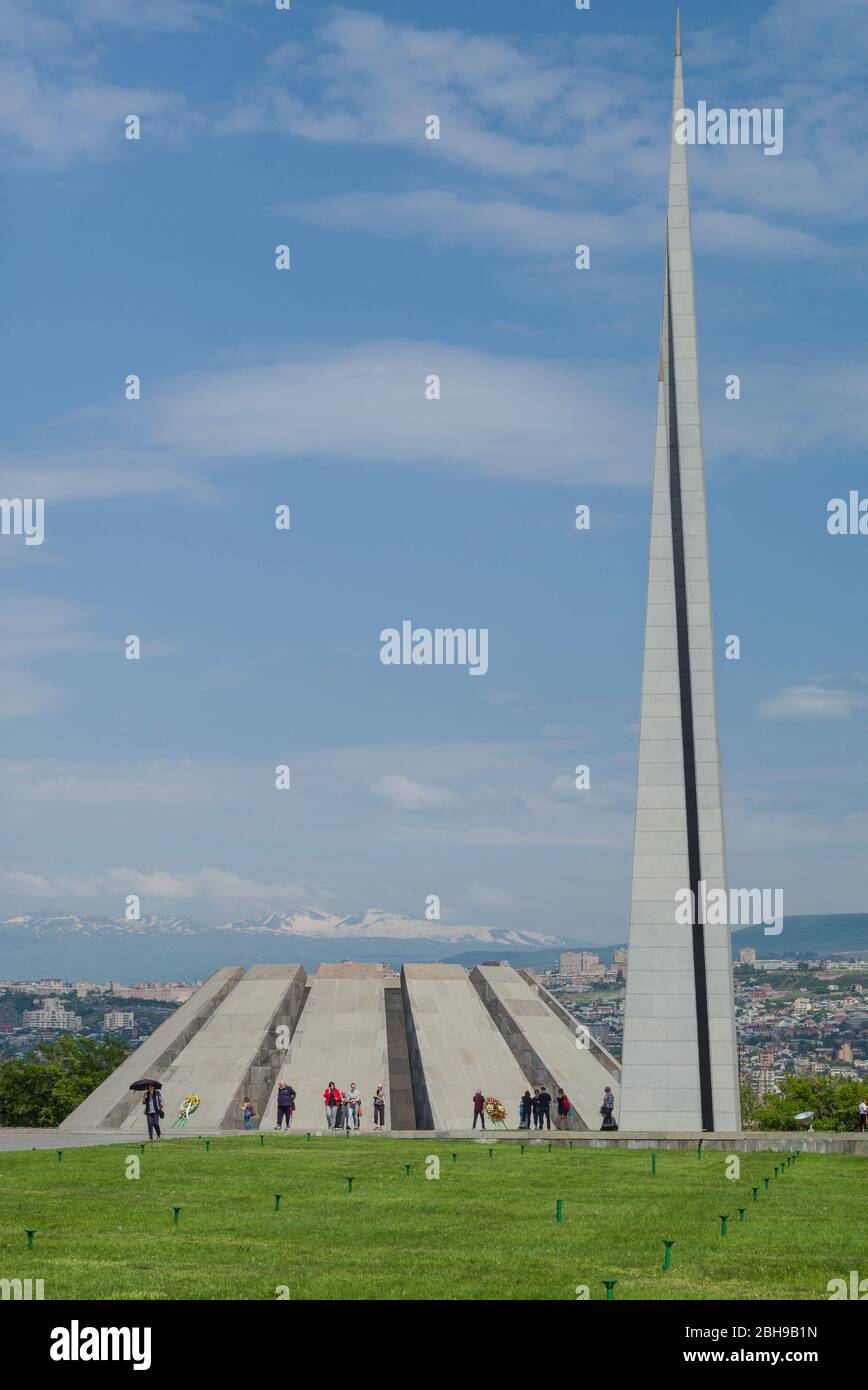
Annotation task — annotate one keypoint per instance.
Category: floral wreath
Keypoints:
(494, 1109)
(188, 1105)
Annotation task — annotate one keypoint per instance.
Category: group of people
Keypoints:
(344, 1109)
(535, 1111)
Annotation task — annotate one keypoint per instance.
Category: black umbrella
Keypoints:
(143, 1085)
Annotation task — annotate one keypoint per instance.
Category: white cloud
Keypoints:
(402, 792)
(51, 122)
(366, 80)
(535, 113)
(742, 233)
(157, 885)
(442, 217)
(54, 106)
(495, 224)
(503, 417)
(513, 417)
(811, 702)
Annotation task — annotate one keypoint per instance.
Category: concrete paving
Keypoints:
(15, 1140)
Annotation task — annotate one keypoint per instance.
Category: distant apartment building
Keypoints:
(117, 1021)
(765, 1081)
(171, 992)
(51, 1014)
(747, 955)
(620, 956)
(801, 1006)
(582, 966)
(36, 986)
(844, 1053)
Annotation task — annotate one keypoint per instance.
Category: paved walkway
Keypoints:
(828, 1142)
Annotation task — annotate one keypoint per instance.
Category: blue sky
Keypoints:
(306, 387)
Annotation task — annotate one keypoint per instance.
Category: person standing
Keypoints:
(535, 1110)
(563, 1108)
(863, 1115)
(248, 1110)
(152, 1103)
(525, 1110)
(545, 1109)
(607, 1109)
(332, 1098)
(379, 1109)
(479, 1109)
(285, 1103)
(354, 1104)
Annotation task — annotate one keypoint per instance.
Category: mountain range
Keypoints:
(38, 945)
(104, 948)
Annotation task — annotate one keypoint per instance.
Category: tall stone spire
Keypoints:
(680, 1069)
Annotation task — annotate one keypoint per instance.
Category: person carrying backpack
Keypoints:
(248, 1110)
(564, 1108)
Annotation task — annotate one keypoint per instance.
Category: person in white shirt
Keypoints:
(863, 1115)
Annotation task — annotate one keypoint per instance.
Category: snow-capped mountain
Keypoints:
(392, 926)
(37, 945)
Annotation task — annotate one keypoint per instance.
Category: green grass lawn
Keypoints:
(485, 1229)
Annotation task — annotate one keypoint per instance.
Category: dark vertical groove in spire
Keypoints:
(689, 753)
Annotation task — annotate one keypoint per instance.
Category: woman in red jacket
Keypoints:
(332, 1097)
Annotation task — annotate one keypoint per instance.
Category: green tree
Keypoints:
(749, 1103)
(42, 1088)
(835, 1103)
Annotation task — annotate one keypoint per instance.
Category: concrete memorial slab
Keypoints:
(545, 1046)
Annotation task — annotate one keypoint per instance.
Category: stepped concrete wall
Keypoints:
(432, 1038)
(543, 1046)
(236, 1052)
(341, 1036)
(455, 1048)
(113, 1102)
